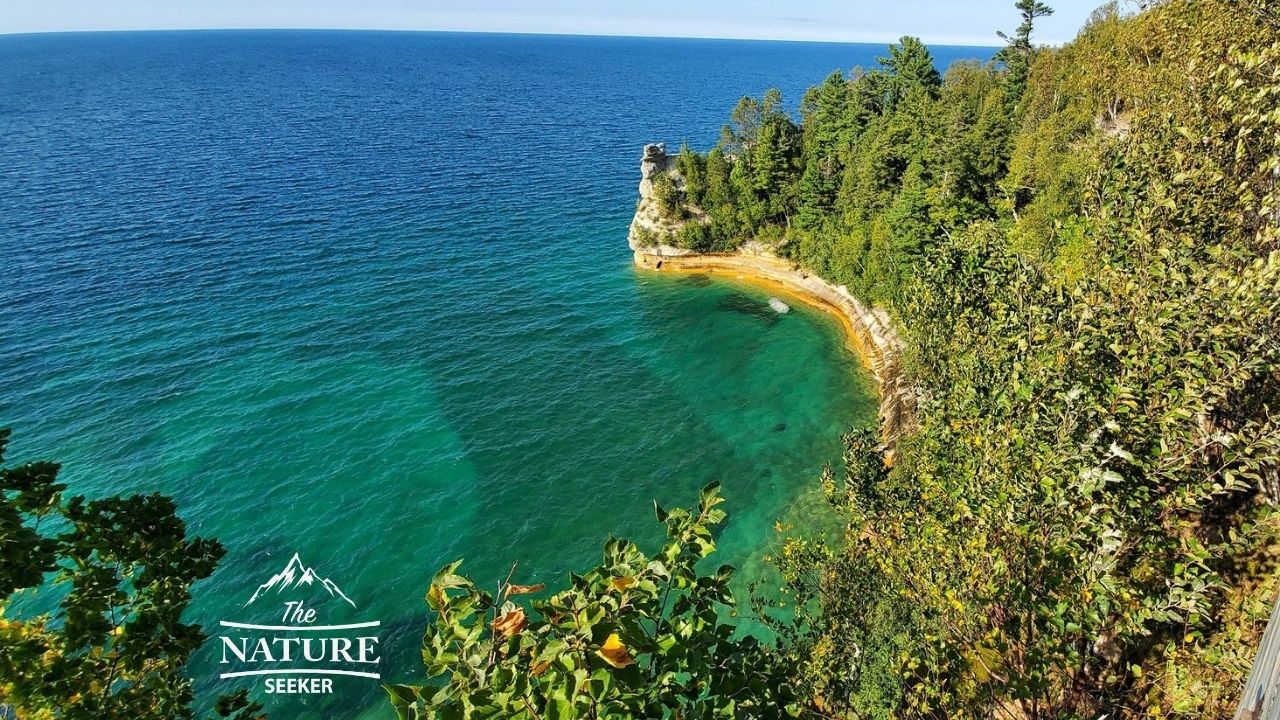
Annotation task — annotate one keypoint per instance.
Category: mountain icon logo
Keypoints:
(297, 575)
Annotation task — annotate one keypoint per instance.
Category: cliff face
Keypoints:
(869, 328)
(649, 223)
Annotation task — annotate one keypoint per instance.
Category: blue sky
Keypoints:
(936, 21)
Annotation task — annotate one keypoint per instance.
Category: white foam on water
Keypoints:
(778, 306)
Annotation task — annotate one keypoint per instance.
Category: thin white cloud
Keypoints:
(935, 21)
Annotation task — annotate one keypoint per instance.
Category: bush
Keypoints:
(638, 636)
(122, 569)
(694, 236)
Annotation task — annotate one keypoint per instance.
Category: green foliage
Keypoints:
(669, 197)
(638, 636)
(865, 470)
(120, 570)
(881, 163)
(1079, 246)
(693, 168)
(719, 192)
(910, 67)
(695, 236)
(853, 630)
(647, 237)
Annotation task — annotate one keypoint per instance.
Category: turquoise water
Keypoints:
(367, 297)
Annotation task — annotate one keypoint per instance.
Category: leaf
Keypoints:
(402, 699)
(622, 583)
(436, 597)
(525, 589)
(510, 622)
(447, 577)
(709, 496)
(615, 652)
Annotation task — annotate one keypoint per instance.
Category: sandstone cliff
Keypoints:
(650, 228)
(869, 327)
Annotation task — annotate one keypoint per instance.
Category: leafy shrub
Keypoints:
(121, 571)
(647, 237)
(638, 636)
(694, 236)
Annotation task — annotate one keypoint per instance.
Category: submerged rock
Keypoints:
(779, 306)
(747, 305)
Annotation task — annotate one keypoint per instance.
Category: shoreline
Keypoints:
(867, 329)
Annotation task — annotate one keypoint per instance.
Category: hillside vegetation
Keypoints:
(1079, 246)
(1082, 257)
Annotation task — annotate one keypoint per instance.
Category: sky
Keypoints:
(946, 22)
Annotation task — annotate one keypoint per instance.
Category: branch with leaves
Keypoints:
(119, 571)
(638, 636)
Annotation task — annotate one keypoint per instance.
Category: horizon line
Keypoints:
(104, 31)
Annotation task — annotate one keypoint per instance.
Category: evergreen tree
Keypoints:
(908, 218)
(909, 65)
(744, 125)
(692, 167)
(826, 120)
(1017, 53)
(816, 192)
(827, 127)
(719, 192)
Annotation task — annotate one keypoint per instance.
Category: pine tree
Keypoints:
(1018, 51)
(908, 218)
(910, 66)
(692, 167)
(719, 190)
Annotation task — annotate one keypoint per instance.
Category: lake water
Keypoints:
(367, 297)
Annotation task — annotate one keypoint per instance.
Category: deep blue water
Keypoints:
(367, 297)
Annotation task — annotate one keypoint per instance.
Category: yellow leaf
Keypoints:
(435, 597)
(622, 583)
(615, 653)
(525, 589)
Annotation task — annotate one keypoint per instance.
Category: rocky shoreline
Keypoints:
(868, 327)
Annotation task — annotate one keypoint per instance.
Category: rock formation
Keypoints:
(650, 228)
(653, 161)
